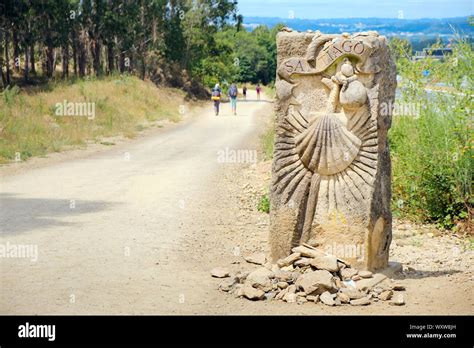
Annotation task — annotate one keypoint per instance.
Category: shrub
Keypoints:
(264, 204)
(432, 151)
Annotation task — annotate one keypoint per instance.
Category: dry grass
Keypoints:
(123, 105)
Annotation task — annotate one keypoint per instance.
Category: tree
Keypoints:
(198, 40)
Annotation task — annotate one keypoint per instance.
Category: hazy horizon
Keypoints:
(324, 9)
(333, 18)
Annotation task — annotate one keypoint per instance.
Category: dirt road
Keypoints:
(136, 229)
(107, 226)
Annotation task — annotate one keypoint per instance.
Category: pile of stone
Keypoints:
(310, 275)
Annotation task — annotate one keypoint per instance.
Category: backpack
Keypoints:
(216, 94)
(233, 91)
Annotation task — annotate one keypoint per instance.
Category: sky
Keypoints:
(315, 9)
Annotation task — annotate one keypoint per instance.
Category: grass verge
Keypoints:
(32, 124)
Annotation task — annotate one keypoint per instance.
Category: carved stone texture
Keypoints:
(331, 176)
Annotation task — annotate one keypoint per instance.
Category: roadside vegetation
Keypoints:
(433, 148)
(268, 136)
(267, 140)
(123, 106)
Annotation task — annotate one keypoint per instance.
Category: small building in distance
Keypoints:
(436, 53)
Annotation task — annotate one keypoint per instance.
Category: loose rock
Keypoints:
(253, 294)
(227, 284)
(289, 297)
(284, 276)
(352, 293)
(378, 290)
(289, 268)
(316, 282)
(281, 294)
(270, 295)
(327, 298)
(241, 276)
(386, 295)
(398, 300)
(348, 273)
(303, 262)
(257, 258)
(288, 260)
(219, 272)
(260, 278)
(364, 301)
(344, 298)
(313, 298)
(292, 289)
(300, 300)
(370, 282)
(307, 252)
(327, 262)
(238, 290)
(365, 274)
(333, 285)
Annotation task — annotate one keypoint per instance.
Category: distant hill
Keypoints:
(386, 26)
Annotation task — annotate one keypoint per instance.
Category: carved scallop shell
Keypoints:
(326, 147)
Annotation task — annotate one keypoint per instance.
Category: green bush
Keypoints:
(264, 204)
(10, 94)
(432, 150)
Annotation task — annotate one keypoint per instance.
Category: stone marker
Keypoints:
(331, 184)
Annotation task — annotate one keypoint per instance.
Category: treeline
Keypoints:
(178, 42)
(252, 54)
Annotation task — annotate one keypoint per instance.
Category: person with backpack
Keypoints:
(216, 97)
(233, 92)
